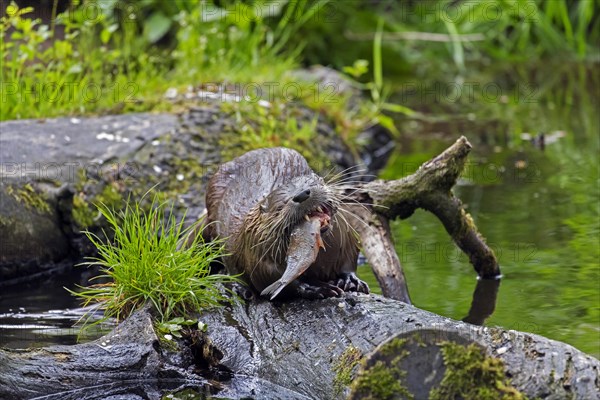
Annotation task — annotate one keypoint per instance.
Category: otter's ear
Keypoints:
(264, 206)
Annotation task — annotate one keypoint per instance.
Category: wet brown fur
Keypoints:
(249, 203)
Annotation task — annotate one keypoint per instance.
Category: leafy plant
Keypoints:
(379, 92)
(153, 259)
(123, 56)
(173, 327)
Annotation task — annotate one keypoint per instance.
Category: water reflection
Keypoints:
(44, 313)
(239, 387)
(484, 301)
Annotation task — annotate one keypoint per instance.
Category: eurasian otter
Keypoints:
(281, 221)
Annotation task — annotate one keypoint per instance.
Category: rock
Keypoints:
(31, 236)
(42, 189)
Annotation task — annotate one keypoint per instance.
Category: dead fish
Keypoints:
(305, 242)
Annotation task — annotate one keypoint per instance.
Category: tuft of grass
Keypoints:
(150, 260)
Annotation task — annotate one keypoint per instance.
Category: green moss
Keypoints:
(6, 221)
(384, 380)
(81, 180)
(292, 125)
(82, 213)
(380, 382)
(85, 212)
(191, 169)
(344, 368)
(30, 197)
(394, 346)
(470, 374)
(110, 196)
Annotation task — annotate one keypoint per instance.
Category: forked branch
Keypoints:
(428, 188)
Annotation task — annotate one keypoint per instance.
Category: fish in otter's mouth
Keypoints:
(324, 214)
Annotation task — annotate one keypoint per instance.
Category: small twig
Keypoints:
(421, 36)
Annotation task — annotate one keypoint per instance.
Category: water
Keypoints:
(44, 313)
(538, 208)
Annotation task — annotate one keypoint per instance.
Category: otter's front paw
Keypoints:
(349, 282)
(243, 291)
(320, 290)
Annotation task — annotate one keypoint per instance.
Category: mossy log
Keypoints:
(306, 349)
(428, 188)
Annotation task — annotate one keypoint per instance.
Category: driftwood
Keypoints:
(430, 189)
(294, 350)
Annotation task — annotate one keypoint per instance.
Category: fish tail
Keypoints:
(273, 289)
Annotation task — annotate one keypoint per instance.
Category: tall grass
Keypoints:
(149, 261)
(118, 56)
(466, 31)
(512, 30)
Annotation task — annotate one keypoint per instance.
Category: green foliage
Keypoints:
(174, 326)
(495, 30)
(471, 375)
(378, 91)
(119, 56)
(522, 28)
(150, 261)
(122, 56)
(44, 74)
(358, 69)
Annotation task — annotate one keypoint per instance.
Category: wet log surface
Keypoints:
(294, 348)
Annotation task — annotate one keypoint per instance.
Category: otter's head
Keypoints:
(303, 197)
(269, 224)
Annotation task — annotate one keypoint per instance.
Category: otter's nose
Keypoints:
(300, 197)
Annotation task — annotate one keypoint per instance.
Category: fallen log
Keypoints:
(299, 349)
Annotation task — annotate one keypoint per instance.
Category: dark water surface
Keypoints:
(538, 208)
(44, 313)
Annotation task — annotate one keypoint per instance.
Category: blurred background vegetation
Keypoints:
(120, 55)
(519, 78)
